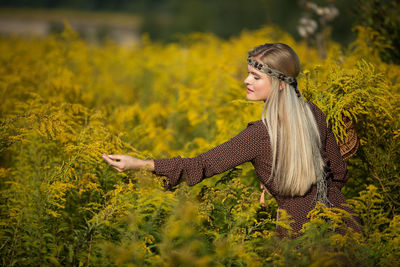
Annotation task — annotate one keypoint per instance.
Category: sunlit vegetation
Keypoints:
(65, 102)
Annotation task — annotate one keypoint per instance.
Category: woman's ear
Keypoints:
(281, 85)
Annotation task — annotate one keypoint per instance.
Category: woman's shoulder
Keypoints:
(257, 125)
(320, 119)
(318, 113)
(258, 128)
(313, 106)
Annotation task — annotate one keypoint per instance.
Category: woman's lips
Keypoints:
(249, 91)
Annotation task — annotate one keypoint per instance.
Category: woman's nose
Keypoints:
(246, 81)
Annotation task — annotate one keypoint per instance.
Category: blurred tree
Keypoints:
(224, 18)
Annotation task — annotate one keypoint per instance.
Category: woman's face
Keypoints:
(258, 85)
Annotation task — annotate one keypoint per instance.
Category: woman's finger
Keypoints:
(262, 201)
(111, 162)
(115, 157)
(118, 169)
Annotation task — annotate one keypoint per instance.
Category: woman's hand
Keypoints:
(124, 162)
(263, 194)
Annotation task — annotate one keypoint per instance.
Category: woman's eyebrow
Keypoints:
(255, 74)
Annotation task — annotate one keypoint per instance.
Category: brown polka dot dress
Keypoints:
(252, 144)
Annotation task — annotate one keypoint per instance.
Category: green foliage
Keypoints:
(382, 17)
(64, 103)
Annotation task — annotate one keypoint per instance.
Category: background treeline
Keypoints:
(64, 102)
(165, 19)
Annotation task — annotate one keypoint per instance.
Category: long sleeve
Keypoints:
(242, 148)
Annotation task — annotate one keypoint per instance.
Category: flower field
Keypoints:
(64, 102)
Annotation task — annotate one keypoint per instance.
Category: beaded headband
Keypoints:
(273, 73)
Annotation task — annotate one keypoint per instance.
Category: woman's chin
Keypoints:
(250, 98)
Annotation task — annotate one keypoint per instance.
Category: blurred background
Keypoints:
(124, 21)
(164, 20)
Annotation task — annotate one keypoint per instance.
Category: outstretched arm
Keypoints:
(124, 162)
(245, 146)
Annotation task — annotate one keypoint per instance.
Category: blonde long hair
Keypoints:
(297, 163)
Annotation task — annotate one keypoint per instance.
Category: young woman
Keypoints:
(294, 153)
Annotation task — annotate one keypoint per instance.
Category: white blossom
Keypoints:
(307, 27)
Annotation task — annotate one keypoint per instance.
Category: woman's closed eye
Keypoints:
(256, 77)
